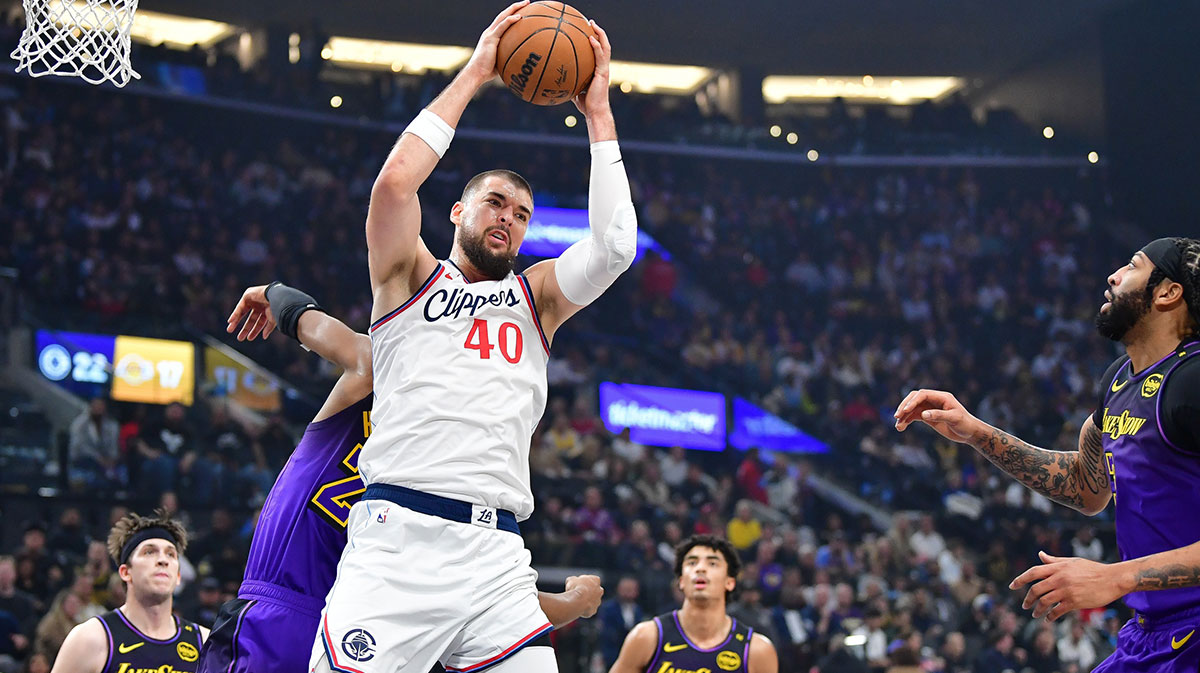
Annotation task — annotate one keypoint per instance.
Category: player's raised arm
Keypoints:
(1077, 479)
(394, 247)
(586, 269)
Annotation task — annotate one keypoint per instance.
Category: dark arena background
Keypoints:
(839, 202)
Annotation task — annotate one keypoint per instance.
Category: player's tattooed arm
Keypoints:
(1077, 479)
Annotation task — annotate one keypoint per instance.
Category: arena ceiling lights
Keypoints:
(398, 56)
(156, 28)
(864, 89)
(412, 57)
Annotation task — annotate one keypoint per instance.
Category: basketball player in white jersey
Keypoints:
(435, 569)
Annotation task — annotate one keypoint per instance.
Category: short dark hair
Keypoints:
(132, 524)
(719, 544)
(511, 176)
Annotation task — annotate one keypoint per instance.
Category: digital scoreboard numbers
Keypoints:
(127, 368)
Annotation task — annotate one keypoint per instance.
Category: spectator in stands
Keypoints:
(162, 447)
(744, 530)
(95, 454)
(69, 540)
(64, 615)
(750, 477)
(22, 608)
(1076, 647)
(927, 544)
(617, 616)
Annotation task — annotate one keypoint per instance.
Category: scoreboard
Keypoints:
(127, 368)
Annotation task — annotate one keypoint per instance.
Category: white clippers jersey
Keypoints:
(460, 385)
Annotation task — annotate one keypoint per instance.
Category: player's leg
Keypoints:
(528, 660)
(400, 597)
(507, 618)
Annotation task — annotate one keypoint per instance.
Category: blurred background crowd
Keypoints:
(820, 292)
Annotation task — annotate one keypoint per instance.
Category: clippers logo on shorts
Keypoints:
(359, 645)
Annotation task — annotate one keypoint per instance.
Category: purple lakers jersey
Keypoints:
(1153, 480)
(302, 528)
(675, 653)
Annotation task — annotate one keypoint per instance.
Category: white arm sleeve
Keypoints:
(586, 269)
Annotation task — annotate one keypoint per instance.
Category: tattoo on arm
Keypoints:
(1063, 476)
(1173, 576)
(1091, 470)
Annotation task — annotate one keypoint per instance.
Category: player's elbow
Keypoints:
(394, 184)
(621, 239)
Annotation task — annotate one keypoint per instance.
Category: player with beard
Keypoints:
(1141, 449)
(435, 569)
(141, 636)
(700, 636)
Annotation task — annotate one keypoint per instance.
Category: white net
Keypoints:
(78, 38)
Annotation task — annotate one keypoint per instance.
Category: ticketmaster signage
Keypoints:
(755, 427)
(553, 230)
(656, 416)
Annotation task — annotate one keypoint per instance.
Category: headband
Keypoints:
(155, 533)
(1166, 256)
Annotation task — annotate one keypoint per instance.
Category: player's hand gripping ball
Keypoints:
(546, 58)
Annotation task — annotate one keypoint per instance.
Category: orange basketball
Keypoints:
(546, 57)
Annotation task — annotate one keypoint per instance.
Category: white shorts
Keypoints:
(413, 589)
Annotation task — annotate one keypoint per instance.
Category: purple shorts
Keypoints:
(265, 629)
(1164, 645)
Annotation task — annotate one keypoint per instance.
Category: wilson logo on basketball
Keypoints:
(518, 80)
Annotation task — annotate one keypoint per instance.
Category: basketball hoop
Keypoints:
(88, 39)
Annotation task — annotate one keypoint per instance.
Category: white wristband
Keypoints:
(433, 130)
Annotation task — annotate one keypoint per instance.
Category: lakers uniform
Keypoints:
(677, 654)
(299, 537)
(131, 651)
(435, 568)
(1154, 474)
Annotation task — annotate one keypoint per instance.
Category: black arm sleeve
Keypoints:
(1105, 382)
(1181, 406)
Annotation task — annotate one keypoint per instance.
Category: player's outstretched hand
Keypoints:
(594, 99)
(1063, 585)
(589, 591)
(939, 410)
(254, 308)
(482, 66)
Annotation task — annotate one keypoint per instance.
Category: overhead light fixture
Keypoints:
(865, 88)
(658, 77)
(776, 130)
(381, 54)
(1093, 157)
(157, 28)
(1048, 132)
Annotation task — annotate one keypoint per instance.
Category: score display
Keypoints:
(128, 368)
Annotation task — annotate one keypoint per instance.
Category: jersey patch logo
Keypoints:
(668, 647)
(1117, 387)
(187, 651)
(729, 661)
(1119, 426)
(1176, 644)
(1151, 385)
(359, 645)
(126, 649)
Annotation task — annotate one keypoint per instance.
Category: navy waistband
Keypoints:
(436, 505)
(1156, 622)
(274, 593)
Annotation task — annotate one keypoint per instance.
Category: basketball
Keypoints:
(546, 57)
